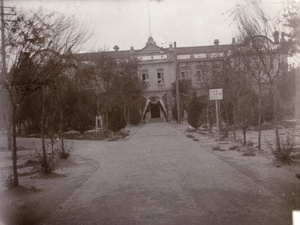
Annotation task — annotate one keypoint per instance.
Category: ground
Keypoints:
(39, 199)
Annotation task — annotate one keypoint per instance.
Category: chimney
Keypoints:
(216, 42)
(161, 50)
(131, 50)
(276, 37)
(116, 48)
(233, 41)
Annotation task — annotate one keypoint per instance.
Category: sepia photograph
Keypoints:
(150, 112)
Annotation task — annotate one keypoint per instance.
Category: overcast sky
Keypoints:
(125, 22)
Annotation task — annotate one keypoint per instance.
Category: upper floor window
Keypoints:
(160, 76)
(199, 76)
(184, 73)
(144, 75)
(202, 74)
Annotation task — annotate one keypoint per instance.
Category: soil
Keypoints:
(40, 196)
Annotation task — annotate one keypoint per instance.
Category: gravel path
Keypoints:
(159, 176)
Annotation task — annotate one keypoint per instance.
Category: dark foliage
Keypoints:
(116, 120)
(174, 111)
(195, 112)
(83, 117)
(134, 114)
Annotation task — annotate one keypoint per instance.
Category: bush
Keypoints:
(49, 166)
(66, 152)
(174, 111)
(45, 167)
(134, 115)
(117, 120)
(195, 109)
(283, 154)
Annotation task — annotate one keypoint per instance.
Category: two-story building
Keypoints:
(157, 69)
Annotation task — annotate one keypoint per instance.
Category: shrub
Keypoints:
(195, 109)
(283, 154)
(43, 166)
(117, 120)
(66, 152)
(174, 111)
(134, 115)
(46, 167)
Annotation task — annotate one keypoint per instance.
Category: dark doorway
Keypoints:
(155, 111)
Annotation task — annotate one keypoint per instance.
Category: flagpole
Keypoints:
(149, 18)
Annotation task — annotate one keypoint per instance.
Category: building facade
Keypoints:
(158, 68)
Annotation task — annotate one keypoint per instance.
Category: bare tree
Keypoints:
(264, 60)
(36, 48)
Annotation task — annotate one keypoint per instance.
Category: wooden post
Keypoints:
(217, 118)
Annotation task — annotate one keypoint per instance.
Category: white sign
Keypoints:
(216, 94)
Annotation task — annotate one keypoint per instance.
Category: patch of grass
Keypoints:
(202, 132)
(216, 148)
(233, 147)
(190, 136)
(191, 130)
(86, 136)
(249, 153)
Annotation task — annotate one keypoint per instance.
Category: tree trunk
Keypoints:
(259, 115)
(42, 131)
(274, 93)
(128, 114)
(106, 121)
(8, 120)
(234, 121)
(14, 145)
(61, 131)
(227, 121)
(244, 133)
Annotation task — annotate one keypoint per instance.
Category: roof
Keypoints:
(90, 56)
(203, 49)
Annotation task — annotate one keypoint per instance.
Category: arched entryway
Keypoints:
(155, 110)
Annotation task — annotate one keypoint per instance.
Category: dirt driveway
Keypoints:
(156, 176)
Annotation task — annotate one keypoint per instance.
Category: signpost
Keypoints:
(216, 94)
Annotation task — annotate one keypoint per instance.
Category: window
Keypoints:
(198, 76)
(185, 73)
(160, 76)
(202, 76)
(144, 75)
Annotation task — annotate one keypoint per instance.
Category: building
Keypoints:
(157, 69)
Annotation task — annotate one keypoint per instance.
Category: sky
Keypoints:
(126, 22)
